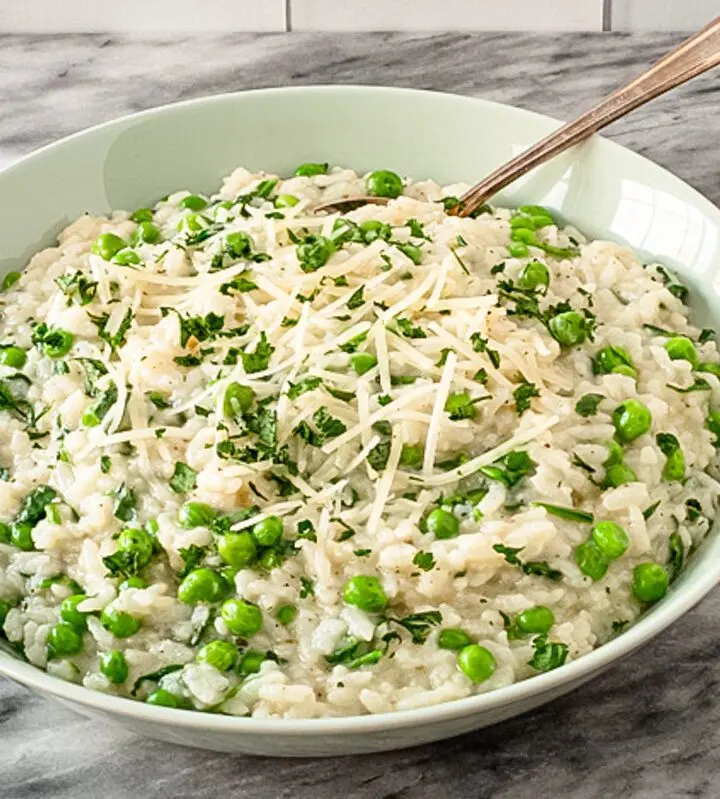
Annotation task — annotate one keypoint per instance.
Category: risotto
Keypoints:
(263, 461)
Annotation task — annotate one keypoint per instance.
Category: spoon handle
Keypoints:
(694, 56)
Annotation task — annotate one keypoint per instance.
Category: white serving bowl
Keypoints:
(602, 188)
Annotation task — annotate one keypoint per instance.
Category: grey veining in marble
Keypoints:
(650, 728)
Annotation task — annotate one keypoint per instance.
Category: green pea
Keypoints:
(132, 582)
(21, 536)
(142, 215)
(239, 244)
(537, 620)
(120, 624)
(5, 534)
(139, 542)
(631, 419)
(709, 368)
(650, 582)
(202, 585)
(522, 221)
(114, 666)
(268, 532)
(193, 202)
(146, 232)
(310, 170)
(365, 593)
(613, 360)
(610, 539)
(619, 475)
(237, 400)
(270, 559)
(285, 614)
(14, 357)
(251, 662)
(107, 245)
(453, 638)
(615, 454)
(537, 210)
(373, 230)
(518, 249)
(314, 252)
(63, 640)
(411, 456)
(57, 343)
(442, 524)
(5, 608)
(162, 698)
(362, 362)
(10, 280)
(127, 257)
(221, 654)
(237, 549)
(524, 236)
(591, 561)
(196, 514)
(286, 201)
(384, 183)
(476, 662)
(534, 276)
(680, 348)
(674, 469)
(568, 328)
(69, 611)
(190, 223)
(242, 618)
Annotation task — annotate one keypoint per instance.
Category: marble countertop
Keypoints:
(650, 728)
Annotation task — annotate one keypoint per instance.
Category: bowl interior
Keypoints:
(603, 189)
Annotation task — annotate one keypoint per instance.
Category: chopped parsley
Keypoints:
(125, 504)
(523, 395)
(327, 426)
(569, 514)
(309, 383)
(259, 358)
(480, 344)
(676, 556)
(200, 328)
(116, 339)
(588, 404)
(356, 299)
(548, 655)
(419, 625)
(183, 479)
(378, 456)
(424, 560)
(531, 567)
(406, 327)
(192, 557)
(75, 284)
(510, 469)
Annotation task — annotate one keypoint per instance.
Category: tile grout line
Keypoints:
(288, 16)
(607, 15)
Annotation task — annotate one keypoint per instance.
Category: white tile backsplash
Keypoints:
(443, 15)
(140, 16)
(662, 15)
(197, 16)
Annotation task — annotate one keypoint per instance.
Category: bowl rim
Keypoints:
(576, 671)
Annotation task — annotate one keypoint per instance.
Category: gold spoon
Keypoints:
(694, 56)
